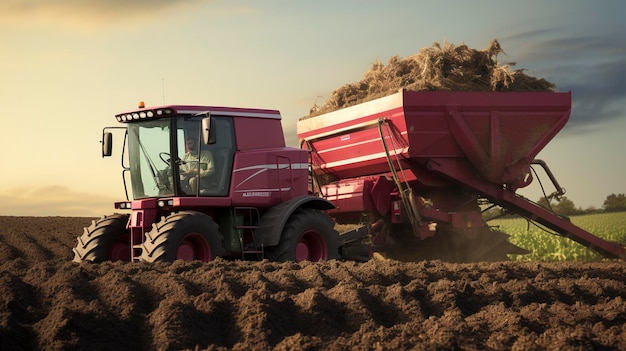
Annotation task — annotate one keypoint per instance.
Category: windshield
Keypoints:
(199, 169)
(148, 151)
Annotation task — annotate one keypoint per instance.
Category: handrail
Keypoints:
(559, 190)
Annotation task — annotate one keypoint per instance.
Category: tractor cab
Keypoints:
(168, 152)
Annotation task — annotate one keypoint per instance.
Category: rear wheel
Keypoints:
(106, 239)
(185, 235)
(308, 236)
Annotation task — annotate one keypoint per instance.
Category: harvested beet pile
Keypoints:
(48, 302)
(447, 67)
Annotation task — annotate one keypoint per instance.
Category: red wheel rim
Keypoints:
(311, 247)
(194, 247)
(120, 250)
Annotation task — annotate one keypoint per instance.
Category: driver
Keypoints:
(192, 171)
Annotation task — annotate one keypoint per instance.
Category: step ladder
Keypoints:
(135, 247)
(246, 231)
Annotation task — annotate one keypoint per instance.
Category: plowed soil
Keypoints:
(49, 302)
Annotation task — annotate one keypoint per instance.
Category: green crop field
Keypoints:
(549, 247)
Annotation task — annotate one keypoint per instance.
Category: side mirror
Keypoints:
(208, 134)
(107, 144)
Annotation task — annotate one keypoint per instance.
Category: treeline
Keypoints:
(566, 207)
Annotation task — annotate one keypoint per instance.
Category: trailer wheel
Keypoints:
(308, 236)
(106, 239)
(185, 235)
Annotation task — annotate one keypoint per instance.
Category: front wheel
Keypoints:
(308, 236)
(185, 235)
(106, 239)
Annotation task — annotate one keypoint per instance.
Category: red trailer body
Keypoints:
(499, 133)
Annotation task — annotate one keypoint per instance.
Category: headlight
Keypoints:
(134, 116)
(163, 203)
(123, 205)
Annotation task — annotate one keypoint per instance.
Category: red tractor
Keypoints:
(236, 191)
(412, 172)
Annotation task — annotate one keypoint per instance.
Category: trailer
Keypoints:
(417, 168)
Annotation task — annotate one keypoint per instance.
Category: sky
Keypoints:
(67, 66)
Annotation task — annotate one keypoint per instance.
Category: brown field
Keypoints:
(48, 302)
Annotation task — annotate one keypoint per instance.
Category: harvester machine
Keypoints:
(415, 170)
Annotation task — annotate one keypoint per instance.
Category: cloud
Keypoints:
(82, 12)
(595, 79)
(529, 34)
(593, 68)
(559, 50)
(598, 92)
(53, 200)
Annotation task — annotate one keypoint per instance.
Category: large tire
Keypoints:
(185, 235)
(106, 239)
(308, 236)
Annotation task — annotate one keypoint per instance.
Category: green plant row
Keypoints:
(545, 246)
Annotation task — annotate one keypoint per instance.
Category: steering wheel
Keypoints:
(165, 157)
